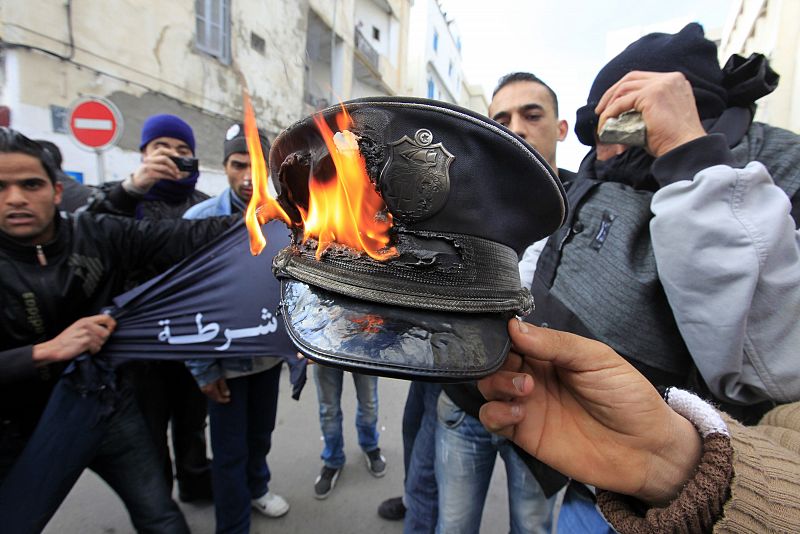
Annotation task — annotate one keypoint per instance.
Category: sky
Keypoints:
(565, 42)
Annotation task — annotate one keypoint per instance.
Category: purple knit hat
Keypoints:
(166, 126)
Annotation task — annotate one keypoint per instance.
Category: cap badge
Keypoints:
(415, 182)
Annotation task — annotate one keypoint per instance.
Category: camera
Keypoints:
(185, 164)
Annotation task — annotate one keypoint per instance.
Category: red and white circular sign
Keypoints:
(95, 123)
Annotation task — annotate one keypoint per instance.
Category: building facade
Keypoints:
(434, 59)
(191, 58)
(769, 27)
(355, 48)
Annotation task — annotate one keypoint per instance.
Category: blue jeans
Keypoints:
(419, 446)
(329, 392)
(465, 456)
(76, 431)
(241, 437)
(579, 513)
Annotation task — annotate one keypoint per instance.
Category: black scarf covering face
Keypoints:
(633, 167)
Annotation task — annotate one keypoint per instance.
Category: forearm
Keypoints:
(765, 496)
(698, 504)
(114, 199)
(728, 256)
(148, 247)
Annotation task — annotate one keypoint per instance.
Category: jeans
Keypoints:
(166, 392)
(73, 432)
(579, 513)
(419, 444)
(329, 392)
(465, 456)
(241, 436)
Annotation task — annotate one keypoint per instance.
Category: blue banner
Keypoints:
(220, 302)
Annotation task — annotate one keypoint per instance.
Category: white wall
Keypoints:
(368, 15)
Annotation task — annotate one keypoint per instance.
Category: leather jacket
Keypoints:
(46, 288)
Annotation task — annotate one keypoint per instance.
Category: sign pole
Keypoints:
(101, 167)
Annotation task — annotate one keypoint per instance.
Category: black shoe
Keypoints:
(197, 489)
(326, 481)
(376, 463)
(196, 496)
(392, 509)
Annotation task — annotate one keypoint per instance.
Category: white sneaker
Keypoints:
(271, 505)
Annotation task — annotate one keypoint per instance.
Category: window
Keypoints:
(257, 43)
(376, 33)
(435, 40)
(213, 23)
(450, 69)
(431, 88)
(458, 44)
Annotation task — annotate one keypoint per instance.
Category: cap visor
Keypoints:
(373, 338)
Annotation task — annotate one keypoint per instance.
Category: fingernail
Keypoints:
(516, 411)
(519, 382)
(523, 327)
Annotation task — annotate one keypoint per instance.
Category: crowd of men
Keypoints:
(678, 267)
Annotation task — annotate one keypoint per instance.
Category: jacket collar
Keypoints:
(52, 249)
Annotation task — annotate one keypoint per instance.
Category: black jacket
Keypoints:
(87, 264)
(112, 198)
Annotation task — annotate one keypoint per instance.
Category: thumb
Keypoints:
(562, 349)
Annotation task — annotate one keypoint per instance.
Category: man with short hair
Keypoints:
(242, 392)
(57, 273)
(529, 107)
(75, 194)
(465, 450)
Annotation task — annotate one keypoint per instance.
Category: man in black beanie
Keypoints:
(682, 254)
(242, 392)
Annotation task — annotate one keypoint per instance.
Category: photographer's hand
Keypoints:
(579, 407)
(155, 166)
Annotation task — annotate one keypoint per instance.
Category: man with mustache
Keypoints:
(242, 392)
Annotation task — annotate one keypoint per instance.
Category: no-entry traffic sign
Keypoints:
(95, 123)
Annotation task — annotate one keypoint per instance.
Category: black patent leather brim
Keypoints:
(379, 339)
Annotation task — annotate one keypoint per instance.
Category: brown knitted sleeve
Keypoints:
(765, 492)
(697, 507)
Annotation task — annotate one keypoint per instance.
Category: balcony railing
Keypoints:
(363, 45)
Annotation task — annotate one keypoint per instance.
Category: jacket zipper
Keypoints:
(40, 256)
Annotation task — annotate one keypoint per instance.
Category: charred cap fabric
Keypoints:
(466, 196)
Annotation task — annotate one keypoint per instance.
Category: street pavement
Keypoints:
(294, 461)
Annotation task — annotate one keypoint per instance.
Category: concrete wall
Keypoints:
(769, 27)
(142, 56)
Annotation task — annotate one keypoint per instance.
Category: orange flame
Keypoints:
(262, 207)
(346, 209)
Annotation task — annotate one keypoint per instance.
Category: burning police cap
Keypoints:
(463, 198)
